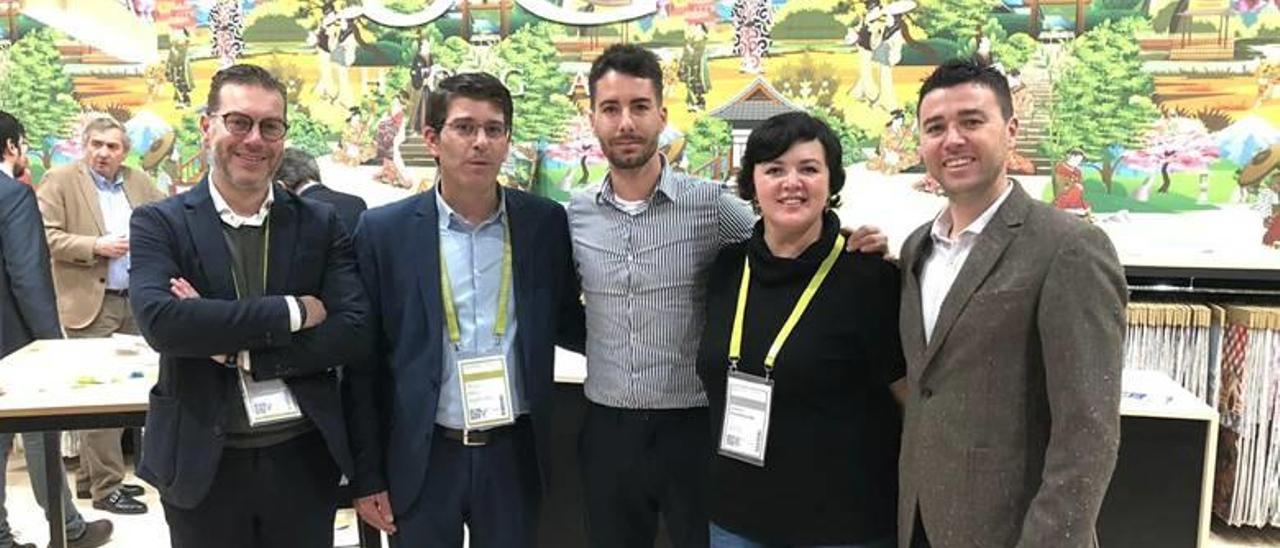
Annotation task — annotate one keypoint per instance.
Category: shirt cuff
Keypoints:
(243, 361)
(295, 314)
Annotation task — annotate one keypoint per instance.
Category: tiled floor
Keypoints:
(148, 530)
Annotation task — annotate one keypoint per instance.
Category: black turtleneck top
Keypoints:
(830, 474)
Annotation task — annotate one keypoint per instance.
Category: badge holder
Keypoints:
(748, 402)
(486, 392)
(267, 402)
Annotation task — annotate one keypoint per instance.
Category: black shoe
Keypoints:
(17, 544)
(120, 503)
(96, 533)
(128, 488)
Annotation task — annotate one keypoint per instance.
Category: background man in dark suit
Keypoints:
(300, 173)
(468, 271)
(28, 312)
(250, 295)
(1012, 324)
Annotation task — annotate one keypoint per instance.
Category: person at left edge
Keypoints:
(444, 304)
(251, 297)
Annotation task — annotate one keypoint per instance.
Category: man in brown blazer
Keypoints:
(1012, 326)
(86, 208)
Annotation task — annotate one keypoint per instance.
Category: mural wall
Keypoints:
(1158, 120)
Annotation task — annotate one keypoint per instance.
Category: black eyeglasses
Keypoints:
(271, 129)
(468, 129)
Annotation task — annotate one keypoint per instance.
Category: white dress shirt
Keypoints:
(947, 258)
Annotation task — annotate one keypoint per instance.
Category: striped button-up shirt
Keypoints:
(644, 280)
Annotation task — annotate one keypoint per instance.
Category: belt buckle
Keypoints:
(466, 440)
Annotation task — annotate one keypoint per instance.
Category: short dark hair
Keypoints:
(776, 136)
(628, 59)
(963, 71)
(297, 167)
(11, 132)
(244, 74)
(478, 86)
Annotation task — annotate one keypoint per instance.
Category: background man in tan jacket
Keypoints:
(86, 208)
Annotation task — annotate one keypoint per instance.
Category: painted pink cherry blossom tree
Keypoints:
(1173, 144)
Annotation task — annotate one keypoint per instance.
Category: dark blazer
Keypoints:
(1012, 419)
(310, 254)
(392, 402)
(28, 310)
(349, 206)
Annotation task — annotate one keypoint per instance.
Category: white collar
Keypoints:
(235, 220)
(305, 186)
(942, 223)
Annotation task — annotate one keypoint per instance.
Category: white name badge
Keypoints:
(747, 404)
(267, 402)
(486, 394)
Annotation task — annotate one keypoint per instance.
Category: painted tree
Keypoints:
(1011, 51)
(953, 19)
(37, 89)
(1102, 97)
(541, 117)
(1174, 144)
(851, 136)
(709, 138)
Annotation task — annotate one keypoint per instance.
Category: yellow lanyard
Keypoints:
(735, 338)
(266, 254)
(504, 291)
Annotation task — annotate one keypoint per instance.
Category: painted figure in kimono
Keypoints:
(226, 21)
(864, 41)
(1024, 103)
(693, 67)
(422, 77)
(1261, 179)
(390, 135)
(354, 145)
(319, 39)
(752, 33)
(888, 52)
(177, 67)
(343, 42)
(896, 151)
(1068, 184)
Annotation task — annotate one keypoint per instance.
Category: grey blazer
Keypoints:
(1012, 420)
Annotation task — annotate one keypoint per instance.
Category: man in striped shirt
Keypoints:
(644, 241)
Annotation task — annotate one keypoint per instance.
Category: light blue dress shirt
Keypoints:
(115, 214)
(474, 257)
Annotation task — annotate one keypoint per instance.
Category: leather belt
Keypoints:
(118, 292)
(479, 438)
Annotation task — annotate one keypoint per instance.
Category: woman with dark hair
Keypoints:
(801, 360)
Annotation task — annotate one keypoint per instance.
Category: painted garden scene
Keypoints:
(1157, 120)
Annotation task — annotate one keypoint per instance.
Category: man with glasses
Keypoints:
(471, 285)
(86, 207)
(28, 312)
(250, 295)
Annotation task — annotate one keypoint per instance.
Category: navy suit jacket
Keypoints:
(391, 403)
(28, 310)
(310, 254)
(349, 206)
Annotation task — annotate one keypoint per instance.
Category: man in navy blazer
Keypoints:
(28, 311)
(300, 173)
(434, 448)
(251, 296)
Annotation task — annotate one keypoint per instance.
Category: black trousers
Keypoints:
(639, 464)
(282, 496)
(493, 489)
